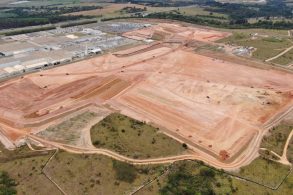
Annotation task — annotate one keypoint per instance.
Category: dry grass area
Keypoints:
(68, 131)
(108, 9)
(75, 174)
(114, 10)
(94, 174)
(24, 166)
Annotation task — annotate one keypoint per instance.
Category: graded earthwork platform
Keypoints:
(219, 108)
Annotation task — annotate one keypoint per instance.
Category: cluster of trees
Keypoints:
(238, 14)
(183, 181)
(48, 10)
(237, 23)
(6, 23)
(133, 9)
(161, 3)
(239, 11)
(124, 171)
(33, 16)
(17, 32)
(7, 185)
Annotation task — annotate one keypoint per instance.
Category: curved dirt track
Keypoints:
(284, 158)
(163, 160)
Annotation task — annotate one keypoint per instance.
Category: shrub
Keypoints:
(124, 172)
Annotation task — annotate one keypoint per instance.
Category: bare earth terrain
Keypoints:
(219, 108)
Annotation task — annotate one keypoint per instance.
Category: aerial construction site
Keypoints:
(220, 108)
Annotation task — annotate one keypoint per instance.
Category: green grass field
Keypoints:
(285, 59)
(268, 43)
(264, 171)
(195, 10)
(133, 138)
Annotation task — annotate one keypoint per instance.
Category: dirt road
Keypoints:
(280, 54)
(284, 158)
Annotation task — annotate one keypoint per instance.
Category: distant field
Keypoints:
(133, 138)
(242, 1)
(49, 3)
(195, 10)
(268, 43)
(114, 10)
(75, 174)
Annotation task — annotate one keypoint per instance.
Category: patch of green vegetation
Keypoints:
(265, 172)
(184, 182)
(191, 177)
(7, 185)
(124, 172)
(133, 138)
(23, 31)
(96, 174)
(5, 14)
(276, 139)
(268, 155)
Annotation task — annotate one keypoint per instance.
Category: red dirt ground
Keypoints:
(213, 104)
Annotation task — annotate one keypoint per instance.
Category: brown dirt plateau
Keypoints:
(215, 104)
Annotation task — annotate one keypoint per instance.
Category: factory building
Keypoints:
(37, 50)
